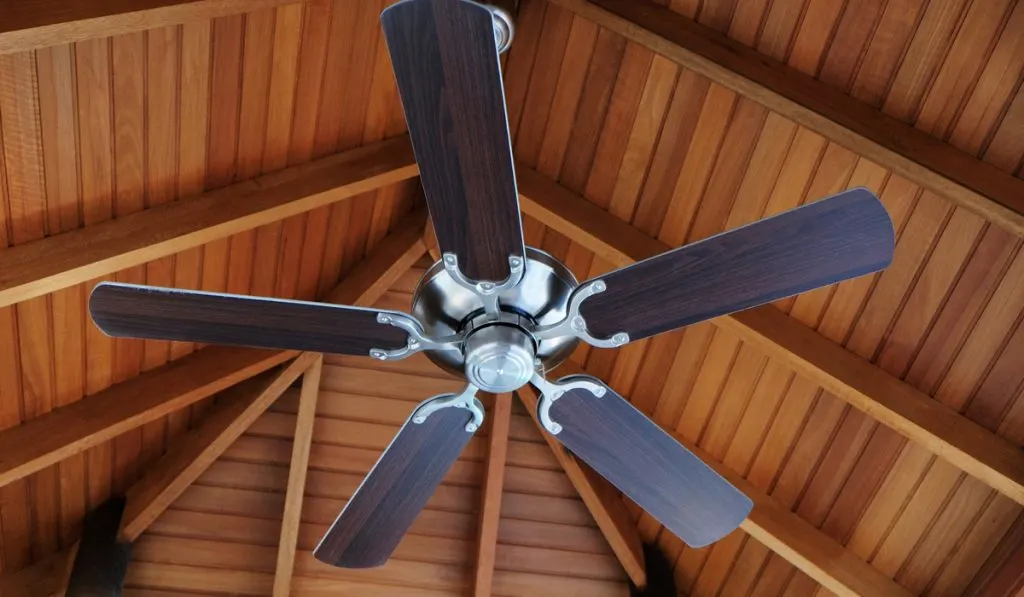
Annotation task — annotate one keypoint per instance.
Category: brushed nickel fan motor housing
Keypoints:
(498, 355)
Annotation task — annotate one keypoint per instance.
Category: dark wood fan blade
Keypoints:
(130, 311)
(398, 486)
(446, 64)
(842, 237)
(645, 463)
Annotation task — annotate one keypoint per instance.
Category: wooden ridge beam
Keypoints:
(40, 267)
(599, 496)
(48, 439)
(236, 410)
(975, 450)
(494, 484)
(865, 130)
(296, 490)
(30, 24)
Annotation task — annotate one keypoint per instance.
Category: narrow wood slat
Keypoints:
(490, 510)
(196, 451)
(895, 145)
(71, 429)
(42, 266)
(967, 445)
(603, 500)
(297, 478)
(38, 24)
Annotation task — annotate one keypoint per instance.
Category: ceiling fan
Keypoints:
(503, 315)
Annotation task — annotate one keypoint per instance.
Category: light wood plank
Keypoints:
(68, 430)
(43, 266)
(291, 523)
(494, 482)
(235, 411)
(967, 445)
(42, 23)
(895, 145)
(603, 500)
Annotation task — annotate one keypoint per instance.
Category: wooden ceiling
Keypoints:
(116, 118)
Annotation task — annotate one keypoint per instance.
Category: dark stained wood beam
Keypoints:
(902, 407)
(31, 24)
(909, 152)
(236, 410)
(37, 268)
(102, 560)
(494, 484)
(46, 440)
(296, 490)
(602, 500)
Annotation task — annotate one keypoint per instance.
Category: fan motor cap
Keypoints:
(499, 358)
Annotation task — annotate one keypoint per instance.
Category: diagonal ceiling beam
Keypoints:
(70, 429)
(490, 509)
(37, 268)
(296, 489)
(781, 530)
(909, 411)
(31, 24)
(599, 496)
(236, 409)
(895, 145)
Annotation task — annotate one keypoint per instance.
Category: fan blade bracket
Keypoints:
(418, 340)
(552, 391)
(575, 325)
(466, 399)
(487, 291)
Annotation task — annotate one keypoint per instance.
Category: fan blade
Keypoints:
(131, 311)
(397, 487)
(649, 466)
(446, 63)
(844, 236)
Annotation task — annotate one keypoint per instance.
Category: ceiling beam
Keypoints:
(31, 24)
(50, 438)
(895, 145)
(490, 509)
(296, 490)
(236, 410)
(893, 402)
(40, 267)
(602, 500)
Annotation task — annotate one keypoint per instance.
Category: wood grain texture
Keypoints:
(602, 500)
(649, 466)
(193, 316)
(37, 24)
(396, 489)
(490, 508)
(292, 517)
(45, 578)
(449, 77)
(875, 135)
(71, 429)
(237, 408)
(1003, 572)
(39, 267)
(831, 240)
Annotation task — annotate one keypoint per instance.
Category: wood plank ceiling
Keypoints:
(106, 127)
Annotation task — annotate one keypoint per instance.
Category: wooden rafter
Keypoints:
(296, 489)
(237, 408)
(27, 25)
(601, 499)
(893, 402)
(45, 440)
(36, 268)
(912, 153)
(490, 509)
